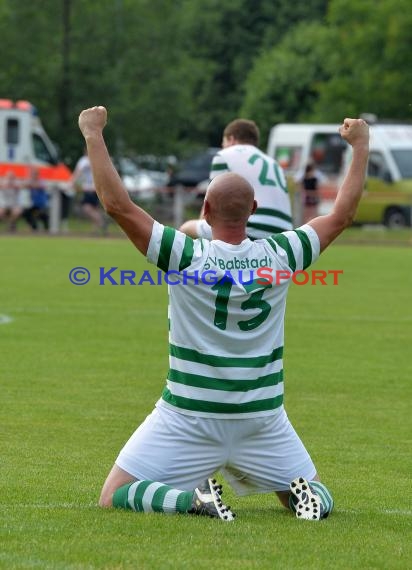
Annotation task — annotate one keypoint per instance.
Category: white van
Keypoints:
(24, 143)
(388, 192)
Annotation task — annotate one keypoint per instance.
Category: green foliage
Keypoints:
(230, 35)
(283, 85)
(369, 65)
(173, 73)
(30, 65)
(358, 61)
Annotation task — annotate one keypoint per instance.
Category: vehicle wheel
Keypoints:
(395, 218)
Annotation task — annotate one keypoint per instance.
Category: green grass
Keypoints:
(162, 210)
(82, 366)
(376, 235)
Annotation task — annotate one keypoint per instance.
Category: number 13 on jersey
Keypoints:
(255, 301)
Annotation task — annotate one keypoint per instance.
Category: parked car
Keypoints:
(193, 170)
(141, 184)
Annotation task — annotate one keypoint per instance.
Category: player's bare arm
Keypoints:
(356, 133)
(113, 196)
(190, 228)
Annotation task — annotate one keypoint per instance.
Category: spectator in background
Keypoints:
(309, 182)
(38, 210)
(82, 180)
(11, 200)
(310, 187)
(66, 205)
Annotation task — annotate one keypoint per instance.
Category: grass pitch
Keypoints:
(81, 366)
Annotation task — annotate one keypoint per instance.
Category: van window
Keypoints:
(12, 131)
(378, 167)
(41, 152)
(403, 159)
(327, 152)
(289, 157)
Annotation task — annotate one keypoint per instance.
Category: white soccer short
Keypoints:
(255, 455)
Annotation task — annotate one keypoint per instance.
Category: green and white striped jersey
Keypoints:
(264, 174)
(226, 319)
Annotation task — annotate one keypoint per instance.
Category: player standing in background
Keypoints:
(82, 180)
(11, 200)
(240, 154)
(222, 407)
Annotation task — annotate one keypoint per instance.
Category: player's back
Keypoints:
(273, 213)
(227, 302)
(226, 318)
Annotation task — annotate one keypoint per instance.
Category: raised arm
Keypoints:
(113, 196)
(356, 133)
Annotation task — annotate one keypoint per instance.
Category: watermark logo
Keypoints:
(265, 276)
(79, 276)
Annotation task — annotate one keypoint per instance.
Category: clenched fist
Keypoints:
(355, 132)
(92, 121)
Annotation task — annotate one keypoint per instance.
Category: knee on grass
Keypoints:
(106, 499)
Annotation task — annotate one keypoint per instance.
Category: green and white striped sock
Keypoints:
(150, 496)
(324, 495)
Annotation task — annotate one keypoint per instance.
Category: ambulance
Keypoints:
(387, 197)
(24, 143)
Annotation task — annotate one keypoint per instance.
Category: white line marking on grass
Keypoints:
(68, 310)
(5, 319)
(405, 513)
(83, 311)
(349, 318)
(50, 506)
(397, 512)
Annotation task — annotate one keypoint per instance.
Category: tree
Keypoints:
(369, 65)
(124, 54)
(226, 38)
(30, 53)
(283, 85)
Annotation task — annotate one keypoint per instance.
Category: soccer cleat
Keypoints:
(306, 501)
(207, 502)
